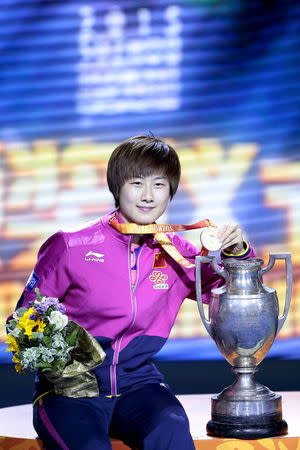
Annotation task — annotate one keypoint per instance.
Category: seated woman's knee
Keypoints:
(173, 421)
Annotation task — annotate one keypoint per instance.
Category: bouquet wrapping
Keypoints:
(42, 338)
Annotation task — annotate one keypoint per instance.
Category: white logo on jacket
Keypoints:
(159, 279)
(94, 256)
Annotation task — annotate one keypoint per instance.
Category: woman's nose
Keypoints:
(147, 194)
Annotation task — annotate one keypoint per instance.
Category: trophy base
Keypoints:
(240, 430)
(246, 409)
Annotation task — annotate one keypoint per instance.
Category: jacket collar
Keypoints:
(125, 238)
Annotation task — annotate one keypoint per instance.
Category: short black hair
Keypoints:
(142, 156)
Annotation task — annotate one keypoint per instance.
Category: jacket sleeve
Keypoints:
(50, 273)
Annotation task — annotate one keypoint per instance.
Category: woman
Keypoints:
(126, 291)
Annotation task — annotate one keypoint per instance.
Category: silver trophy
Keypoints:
(244, 321)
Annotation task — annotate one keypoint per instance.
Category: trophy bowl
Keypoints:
(244, 321)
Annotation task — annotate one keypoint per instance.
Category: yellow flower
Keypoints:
(12, 344)
(30, 325)
(41, 325)
(34, 326)
(18, 367)
(15, 359)
(25, 319)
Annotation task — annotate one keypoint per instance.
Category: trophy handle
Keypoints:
(289, 280)
(212, 261)
(199, 260)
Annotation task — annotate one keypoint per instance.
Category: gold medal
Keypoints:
(209, 239)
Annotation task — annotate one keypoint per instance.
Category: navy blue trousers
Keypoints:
(148, 418)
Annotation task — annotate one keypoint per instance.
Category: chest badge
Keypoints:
(159, 279)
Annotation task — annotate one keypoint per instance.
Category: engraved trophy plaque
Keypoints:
(244, 321)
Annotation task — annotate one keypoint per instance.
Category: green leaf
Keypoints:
(43, 366)
(12, 324)
(35, 335)
(39, 296)
(72, 337)
(48, 331)
(47, 341)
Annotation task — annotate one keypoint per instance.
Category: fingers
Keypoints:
(231, 237)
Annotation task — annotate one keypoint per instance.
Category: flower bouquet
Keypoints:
(42, 338)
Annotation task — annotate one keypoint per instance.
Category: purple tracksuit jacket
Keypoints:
(89, 270)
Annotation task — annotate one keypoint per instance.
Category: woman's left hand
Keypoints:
(231, 237)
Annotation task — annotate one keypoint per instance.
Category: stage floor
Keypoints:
(16, 422)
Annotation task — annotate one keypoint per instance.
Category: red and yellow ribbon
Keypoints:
(159, 231)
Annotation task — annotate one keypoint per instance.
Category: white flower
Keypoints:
(58, 319)
(30, 356)
(47, 354)
(58, 341)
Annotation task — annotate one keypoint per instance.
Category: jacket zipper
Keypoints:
(113, 367)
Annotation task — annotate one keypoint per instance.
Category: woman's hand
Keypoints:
(231, 237)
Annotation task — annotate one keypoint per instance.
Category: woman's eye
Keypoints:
(159, 184)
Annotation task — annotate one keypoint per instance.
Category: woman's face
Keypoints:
(144, 199)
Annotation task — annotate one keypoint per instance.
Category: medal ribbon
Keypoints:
(159, 234)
